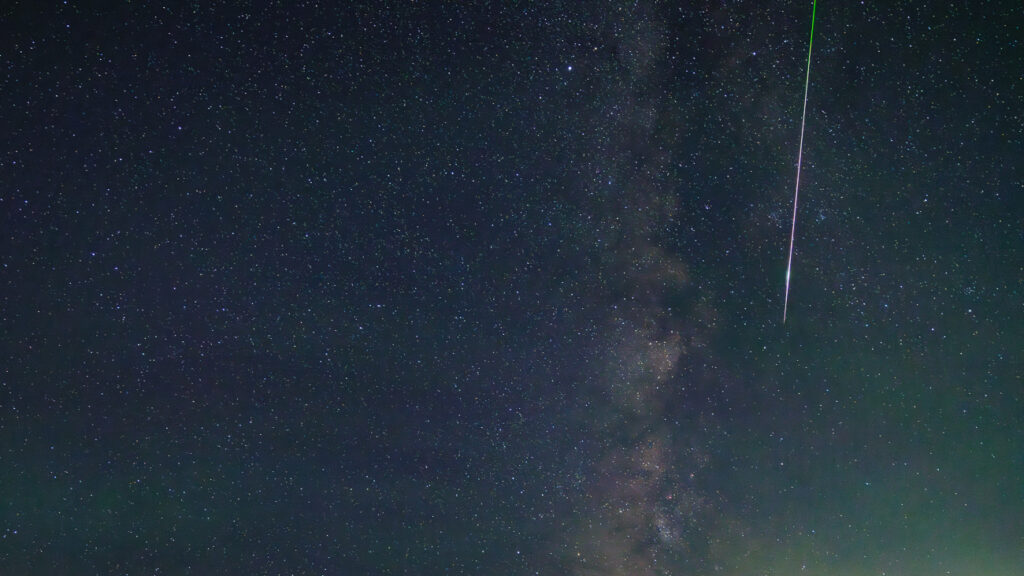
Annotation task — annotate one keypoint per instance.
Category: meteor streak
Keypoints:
(799, 163)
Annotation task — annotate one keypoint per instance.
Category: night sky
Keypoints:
(497, 288)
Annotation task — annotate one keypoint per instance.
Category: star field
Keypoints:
(496, 288)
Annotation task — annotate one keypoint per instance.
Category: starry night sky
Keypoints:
(496, 288)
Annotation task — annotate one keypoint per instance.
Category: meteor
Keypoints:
(799, 163)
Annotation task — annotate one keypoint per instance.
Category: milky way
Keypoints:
(492, 288)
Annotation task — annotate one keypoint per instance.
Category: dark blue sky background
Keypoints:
(423, 288)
